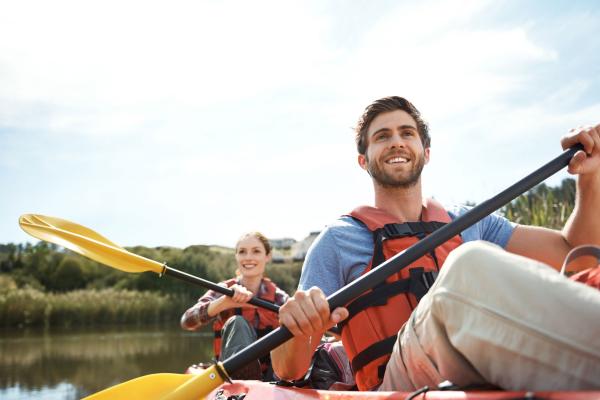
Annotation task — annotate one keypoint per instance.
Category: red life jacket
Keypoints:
(263, 321)
(375, 318)
(590, 276)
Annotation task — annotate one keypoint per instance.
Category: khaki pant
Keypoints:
(496, 318)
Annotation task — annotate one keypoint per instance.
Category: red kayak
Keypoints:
(255, 390)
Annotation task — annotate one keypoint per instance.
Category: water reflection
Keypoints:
(72, 364)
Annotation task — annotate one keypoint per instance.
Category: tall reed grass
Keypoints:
(31, 307)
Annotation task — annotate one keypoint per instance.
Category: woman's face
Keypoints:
(251, 257)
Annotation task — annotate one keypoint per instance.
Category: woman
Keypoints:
(236, 323)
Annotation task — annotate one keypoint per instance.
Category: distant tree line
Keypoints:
(46, 269)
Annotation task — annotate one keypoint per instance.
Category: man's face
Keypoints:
(395, 155)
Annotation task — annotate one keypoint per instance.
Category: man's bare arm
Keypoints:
(583, 226)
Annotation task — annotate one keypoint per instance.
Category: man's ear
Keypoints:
(362, 161)
(427, 155)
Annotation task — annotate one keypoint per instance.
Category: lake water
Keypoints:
(70, 364)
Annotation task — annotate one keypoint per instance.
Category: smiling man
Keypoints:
(493, 311)
(406, 162)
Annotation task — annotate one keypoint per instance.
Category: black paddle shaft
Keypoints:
(217, 288)
(405, 258)
(227, 292)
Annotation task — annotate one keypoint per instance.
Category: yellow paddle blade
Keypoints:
(86, 242)
(163, 387)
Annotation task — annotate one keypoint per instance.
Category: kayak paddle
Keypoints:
(198, 386)
(91, 244)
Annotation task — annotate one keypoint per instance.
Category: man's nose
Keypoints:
(396, 140)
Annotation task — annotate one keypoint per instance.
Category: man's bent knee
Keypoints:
(471, 260)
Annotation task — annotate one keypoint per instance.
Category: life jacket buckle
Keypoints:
(429, 278)
(392, 231)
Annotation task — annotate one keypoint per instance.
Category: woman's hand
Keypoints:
(240, 299)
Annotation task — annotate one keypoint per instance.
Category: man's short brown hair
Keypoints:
(388, 104)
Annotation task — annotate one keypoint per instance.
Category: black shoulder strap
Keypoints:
(419, 229)
(418, 284)
(378, 256)
(373, 352)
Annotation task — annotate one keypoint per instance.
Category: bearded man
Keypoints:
(486, 308)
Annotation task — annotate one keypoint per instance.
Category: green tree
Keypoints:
(67, 276)
(8, 257)
(285, 275)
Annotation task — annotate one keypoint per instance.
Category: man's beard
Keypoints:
(387, 180)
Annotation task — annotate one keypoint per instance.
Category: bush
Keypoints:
(67, 276)
(7, 283)
(31, 307)
(22, 307)
(286, 276)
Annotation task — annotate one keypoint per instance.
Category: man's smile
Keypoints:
(397, 160)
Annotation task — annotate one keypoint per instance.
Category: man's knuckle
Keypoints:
(304, 325)
(322, 306)
(315, 319)
(300, 295)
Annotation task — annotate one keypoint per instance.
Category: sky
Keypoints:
(191, 122)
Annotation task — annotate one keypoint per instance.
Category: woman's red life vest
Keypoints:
(375, 318)
(263, 321)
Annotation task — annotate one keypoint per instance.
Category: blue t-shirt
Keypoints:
(344, 249)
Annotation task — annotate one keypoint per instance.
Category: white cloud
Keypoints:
(123, 52)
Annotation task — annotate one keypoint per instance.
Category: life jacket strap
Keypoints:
(419, 229)
(421, 281)
(395, 231)
(377, 297)
(378, 256)
(418, 284)
(373, 352)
